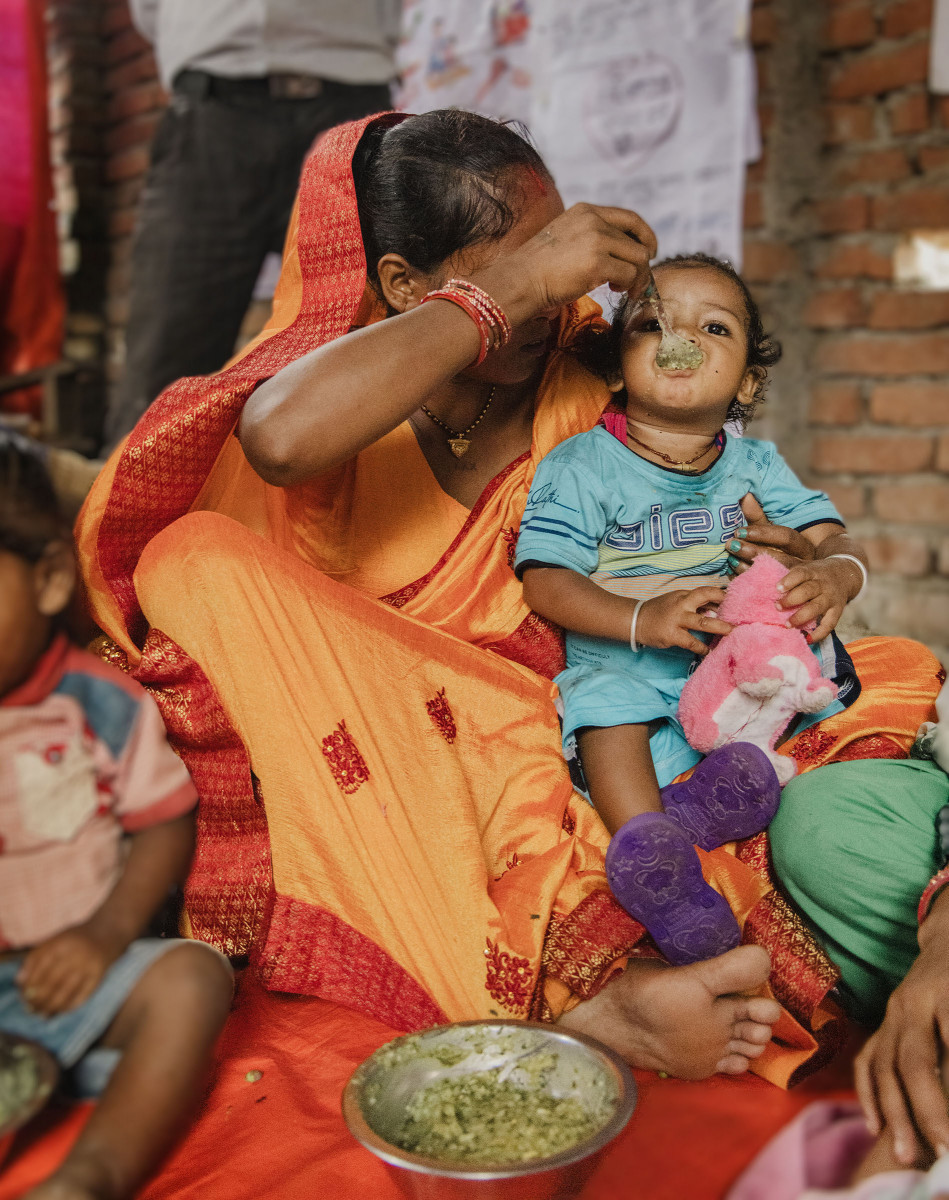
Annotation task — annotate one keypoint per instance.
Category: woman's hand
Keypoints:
(902, 1073)
(668, 620)
(786, 545)
(580, 250)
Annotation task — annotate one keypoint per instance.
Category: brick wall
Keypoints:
(105, 102)
(857, 153)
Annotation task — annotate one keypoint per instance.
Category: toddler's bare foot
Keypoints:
(688, 1021)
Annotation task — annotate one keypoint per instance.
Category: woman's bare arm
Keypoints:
(332, 403)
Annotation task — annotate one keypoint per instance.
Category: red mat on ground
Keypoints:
(282, 1136)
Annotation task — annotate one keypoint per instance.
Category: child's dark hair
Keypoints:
(764, 350)
(435, 184)
(30, 517)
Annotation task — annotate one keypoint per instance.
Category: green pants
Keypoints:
(854, 845)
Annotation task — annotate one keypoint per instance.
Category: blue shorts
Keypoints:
(607, 683)
(70, 1036)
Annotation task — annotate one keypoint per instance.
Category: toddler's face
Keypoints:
(707, 308)
(31, 594)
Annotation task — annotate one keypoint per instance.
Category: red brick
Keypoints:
(756, 171)
(910, 403)
(907, 555)
(766, 261)
(874, 74)
(850, 499)
(923, 503)
(116, 17)
(765, 117)
(834, 308)
(869, 455)
(836, 404)
(876, 166)
(856, 260)
(942, 454)
(135, 132)
(933, 158)
(909, 310)
(133, 101)
(943, 110)
(763, 70)
(126, 194)
(125, 44)
(127, 164)
(845, 124)
(921, 208)
(764, 28)
(909, 114)
(122, 221)
(754, 208)
(850, 27)
(907, 16)
(843, 214)
(139, 69)
(943, 560)
(896, 354)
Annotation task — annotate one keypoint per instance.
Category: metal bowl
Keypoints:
(38, 1073)
(583, 1066)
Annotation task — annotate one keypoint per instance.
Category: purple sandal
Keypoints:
(654, 872)
(732, 794)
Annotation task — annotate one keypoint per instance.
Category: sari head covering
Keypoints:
(350, 672)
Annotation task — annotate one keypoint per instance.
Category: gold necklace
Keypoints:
(673, 462)
(457, 439)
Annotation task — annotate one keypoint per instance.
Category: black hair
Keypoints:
(764, 350)
(30, 516)
(435, 184)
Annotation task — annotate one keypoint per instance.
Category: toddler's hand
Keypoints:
(667, 620)
(63, 972)
(823, 589)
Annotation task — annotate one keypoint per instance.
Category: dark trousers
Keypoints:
(225, 165)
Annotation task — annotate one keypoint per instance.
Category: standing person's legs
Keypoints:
(218, 197)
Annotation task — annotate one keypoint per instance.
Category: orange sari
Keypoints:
(364, 700)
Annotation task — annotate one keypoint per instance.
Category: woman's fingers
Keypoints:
(866, 1086)
(894, 1111)
(630, 223)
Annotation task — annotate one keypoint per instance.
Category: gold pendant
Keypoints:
(459, 446)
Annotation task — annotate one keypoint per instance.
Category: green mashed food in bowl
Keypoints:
(499, 1098)
(19, 1081)
(479, 1118)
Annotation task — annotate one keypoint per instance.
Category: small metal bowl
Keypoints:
(44, 1071)
(579, 1060)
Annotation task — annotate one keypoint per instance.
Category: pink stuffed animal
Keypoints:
(750, 685)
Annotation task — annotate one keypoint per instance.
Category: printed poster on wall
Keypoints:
(645, 104)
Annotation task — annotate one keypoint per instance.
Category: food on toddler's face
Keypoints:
(677, 353)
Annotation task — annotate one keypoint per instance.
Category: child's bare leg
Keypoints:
(166, 1031)
(618, 768)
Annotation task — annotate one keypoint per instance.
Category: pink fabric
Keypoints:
(83, 758)
(819, 1149)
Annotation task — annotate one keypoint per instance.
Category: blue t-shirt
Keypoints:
(641, 530)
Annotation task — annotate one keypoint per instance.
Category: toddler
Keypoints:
(625, 543)
(96, 829)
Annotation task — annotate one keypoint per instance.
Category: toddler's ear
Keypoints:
(615, 382)
(54, 578)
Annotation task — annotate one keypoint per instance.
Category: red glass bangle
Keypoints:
(933, 888)
(490, 318)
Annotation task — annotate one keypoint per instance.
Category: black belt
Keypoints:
(282, 86)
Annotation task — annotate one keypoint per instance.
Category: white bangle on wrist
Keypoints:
(632, 626)
(863, 571)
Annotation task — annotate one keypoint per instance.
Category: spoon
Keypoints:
(675, 353)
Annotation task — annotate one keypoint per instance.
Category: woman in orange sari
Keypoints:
(325, 609)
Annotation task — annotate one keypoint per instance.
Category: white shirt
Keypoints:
(351, 41)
